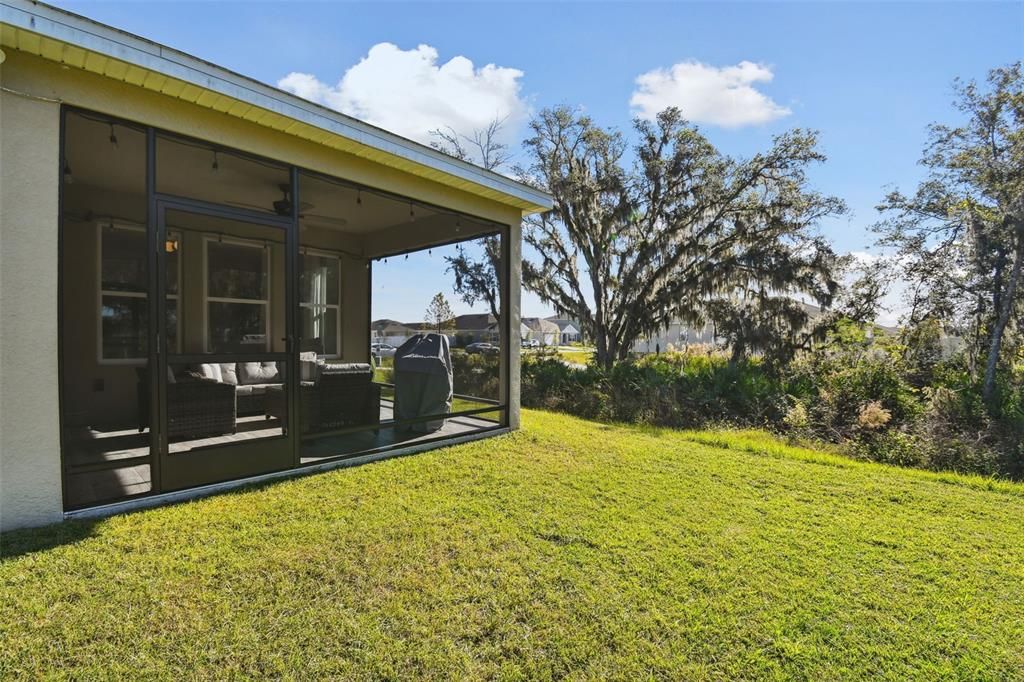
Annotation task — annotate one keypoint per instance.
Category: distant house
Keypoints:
(468, 329)
(568, 329)
(544, 331)
(391, 332)
(678, 336)
(475, 328)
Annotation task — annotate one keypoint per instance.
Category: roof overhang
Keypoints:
(79, 42)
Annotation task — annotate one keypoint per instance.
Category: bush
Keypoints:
(858, 392)
(672, 389)
(476, 374)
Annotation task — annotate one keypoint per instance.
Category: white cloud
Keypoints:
(723, 96)
(408, 92)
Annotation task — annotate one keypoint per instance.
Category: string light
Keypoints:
(215, 165)
(113, 137)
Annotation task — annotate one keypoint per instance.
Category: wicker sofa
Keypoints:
(207, 399)
(250, 381)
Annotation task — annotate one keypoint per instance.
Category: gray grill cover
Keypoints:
(423, 380)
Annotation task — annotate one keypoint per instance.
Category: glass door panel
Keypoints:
(226, 387)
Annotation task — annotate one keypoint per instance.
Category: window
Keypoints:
(237, 296)
(319, 300)
(123, 300)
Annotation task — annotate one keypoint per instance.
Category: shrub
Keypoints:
(852, 390)
(477, 374)
(873, 416)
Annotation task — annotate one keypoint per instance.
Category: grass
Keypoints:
(577, 357)
(566, 549)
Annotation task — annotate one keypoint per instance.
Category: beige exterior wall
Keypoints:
(30, 477)
(30, 484)
(515, 286)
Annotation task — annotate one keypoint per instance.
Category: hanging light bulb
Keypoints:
(68, 178)
(359, 197)
(458, 224)
(412, 213)
(215, 165)
(113, 137)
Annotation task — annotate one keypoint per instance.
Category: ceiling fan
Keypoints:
(283, 207)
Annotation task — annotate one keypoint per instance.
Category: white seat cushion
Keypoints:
(258, 373)
(229, 373)
(210, 371)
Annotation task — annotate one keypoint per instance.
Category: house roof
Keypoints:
(475, 322)
(564, 323)
(79, 42)
(384, 324)
(538, 325)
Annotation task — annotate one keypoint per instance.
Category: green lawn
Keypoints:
(568, 548)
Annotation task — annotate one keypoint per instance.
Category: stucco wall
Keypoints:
(515, 286)
(30, 485)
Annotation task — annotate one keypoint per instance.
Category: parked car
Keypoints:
(383, 350)
(482, 347)
(531, 343)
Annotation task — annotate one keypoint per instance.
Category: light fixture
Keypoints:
(113, 137)
(171, 245)
(215, 165)
(359, 197)
(68, 178)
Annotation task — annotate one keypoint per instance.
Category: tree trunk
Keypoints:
(995, 346)
(602, 357)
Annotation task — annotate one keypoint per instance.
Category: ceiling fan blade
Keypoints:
(242, 204)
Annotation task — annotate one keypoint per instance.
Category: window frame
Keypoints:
(324, 253)
(127, 226)
(207, 299)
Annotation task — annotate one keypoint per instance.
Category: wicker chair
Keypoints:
(195, 408)
(342, 395)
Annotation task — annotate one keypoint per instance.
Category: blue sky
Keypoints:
(868, 76)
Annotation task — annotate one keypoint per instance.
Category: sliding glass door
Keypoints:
(224, 283)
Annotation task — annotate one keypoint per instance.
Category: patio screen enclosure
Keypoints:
(215, 314)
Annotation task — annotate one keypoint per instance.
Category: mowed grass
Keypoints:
(566, 549)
